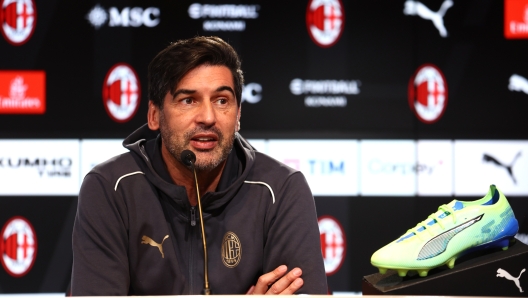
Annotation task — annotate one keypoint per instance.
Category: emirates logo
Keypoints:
(22, 92)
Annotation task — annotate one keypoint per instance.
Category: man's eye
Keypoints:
(222, 101)
(187, 100)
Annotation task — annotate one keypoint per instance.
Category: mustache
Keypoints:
(215, 130)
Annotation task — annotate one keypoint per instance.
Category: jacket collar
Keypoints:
(145, 146)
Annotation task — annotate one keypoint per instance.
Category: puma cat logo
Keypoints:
(417, 8)
(505, 274)
(518, 83)
(148, 240)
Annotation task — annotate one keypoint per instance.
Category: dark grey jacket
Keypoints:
(135, 232)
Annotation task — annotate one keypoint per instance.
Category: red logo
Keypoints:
(121, 92)
(293, 162)
(325, 20)
(18, 19)
(516, 19)
(333, 244)
(18, 246)
(22, 92)
(428, 93)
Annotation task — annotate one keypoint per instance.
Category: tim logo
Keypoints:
(18, 19)
(325, 20)
(231, 250)
(428, 93)
(22, 92)
(515, 19)
(18, 246)
(333, 244)
(507, 167)
(412, 8)
(121, 93)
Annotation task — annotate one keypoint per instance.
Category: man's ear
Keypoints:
(153, 115)
(238, 119)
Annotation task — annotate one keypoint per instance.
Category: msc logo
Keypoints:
(252, 93)
(18, 246)
(325, 20)
(18, 19)
(333, 243)
(121, 92)
(127, 17)
(231, 250)
(428, 93)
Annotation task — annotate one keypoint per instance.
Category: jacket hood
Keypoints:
(143, 141)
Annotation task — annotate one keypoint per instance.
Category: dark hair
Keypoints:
(171, 64)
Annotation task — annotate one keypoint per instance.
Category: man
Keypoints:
(137, 230)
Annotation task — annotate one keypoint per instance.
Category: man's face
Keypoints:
(202, 116)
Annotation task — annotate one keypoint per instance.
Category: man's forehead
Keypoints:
(218, 75)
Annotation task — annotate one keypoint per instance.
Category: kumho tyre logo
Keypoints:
(121, 92)
(428, 93)
(325, 20)
(18, 246)
(18, 19)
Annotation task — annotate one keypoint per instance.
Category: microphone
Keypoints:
(189, 158)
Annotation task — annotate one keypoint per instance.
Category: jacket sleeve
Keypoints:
(99, 241)
(293, 235)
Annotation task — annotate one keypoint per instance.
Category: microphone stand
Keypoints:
(188, 158)
(206, 290)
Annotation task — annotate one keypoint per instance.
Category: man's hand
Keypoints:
(277, 282)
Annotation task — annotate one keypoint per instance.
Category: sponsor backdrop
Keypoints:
(390, 109)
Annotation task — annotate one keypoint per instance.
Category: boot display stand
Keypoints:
(486, 273)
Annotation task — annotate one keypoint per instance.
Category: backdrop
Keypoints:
(389, 108)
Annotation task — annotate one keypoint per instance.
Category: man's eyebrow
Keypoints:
(188, 91)
(222, 88)
(182, 91)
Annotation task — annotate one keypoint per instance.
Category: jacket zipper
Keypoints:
(191, 259)
(193, 216)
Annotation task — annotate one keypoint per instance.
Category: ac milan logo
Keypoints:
(333, 244)
(231, 250)
(325, 20)
(18, 19)
(18, 246)
(121, 93)
(428, 93)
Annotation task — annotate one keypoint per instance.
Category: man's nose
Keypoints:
(206, 114)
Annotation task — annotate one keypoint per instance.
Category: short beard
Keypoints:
(176, 145)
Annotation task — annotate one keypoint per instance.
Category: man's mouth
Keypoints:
(204, 142)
